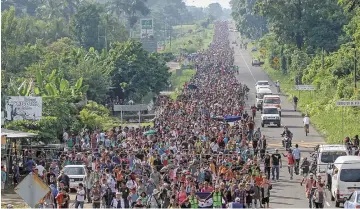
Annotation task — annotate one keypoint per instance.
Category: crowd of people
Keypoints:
(192, 157)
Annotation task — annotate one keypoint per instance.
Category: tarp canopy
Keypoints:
(16, 134)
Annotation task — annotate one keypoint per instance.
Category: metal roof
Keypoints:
(16, 134)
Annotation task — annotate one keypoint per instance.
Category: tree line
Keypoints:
(77, 53)
(308, 42)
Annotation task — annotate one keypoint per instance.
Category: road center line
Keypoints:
(247, 65)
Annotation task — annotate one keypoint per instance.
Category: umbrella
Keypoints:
(150, 132)
(192, 86)
(232, 118)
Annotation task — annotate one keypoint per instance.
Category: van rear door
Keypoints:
(349, 180)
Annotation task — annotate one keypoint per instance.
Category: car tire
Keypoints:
(262, 125)
(337, 204)
(278, 125)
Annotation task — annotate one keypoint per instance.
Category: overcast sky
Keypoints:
(205, 3)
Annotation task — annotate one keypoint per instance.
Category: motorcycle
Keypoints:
(286, 142)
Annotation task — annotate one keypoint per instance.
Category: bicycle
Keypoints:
(306, 127)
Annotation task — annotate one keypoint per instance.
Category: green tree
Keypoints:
(141, 72)
(85, 25)
(215, 10)
(248, 23)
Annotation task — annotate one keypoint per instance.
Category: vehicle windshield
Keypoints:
(270, 111)
(350, 175)
(272, 101)
(262, 83)
(74, 171)
(330, 157)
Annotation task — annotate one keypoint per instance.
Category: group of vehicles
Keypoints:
(268, 103)
(340, 172)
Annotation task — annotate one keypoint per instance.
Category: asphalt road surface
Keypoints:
(286, 193)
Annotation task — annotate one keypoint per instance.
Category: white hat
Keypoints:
(118, 193)
(237, 199)
(155, 191)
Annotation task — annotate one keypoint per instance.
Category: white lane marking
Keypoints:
(247, 66)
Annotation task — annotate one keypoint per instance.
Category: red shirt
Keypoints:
(290, 158)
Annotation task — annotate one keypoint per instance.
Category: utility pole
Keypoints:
(322, 58)
(355, 74)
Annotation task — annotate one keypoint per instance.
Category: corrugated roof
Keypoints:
(16, 134)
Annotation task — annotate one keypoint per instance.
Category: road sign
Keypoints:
(32, 189)
(304, 87)
(130, 108)
(147, 28)
(348, 103)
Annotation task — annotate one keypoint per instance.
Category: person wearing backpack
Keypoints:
(319, 196)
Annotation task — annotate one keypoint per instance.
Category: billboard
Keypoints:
(23, 108)
(147, 28)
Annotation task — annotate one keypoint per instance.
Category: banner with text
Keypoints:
(23, 108)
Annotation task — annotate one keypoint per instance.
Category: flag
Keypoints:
(208, 203)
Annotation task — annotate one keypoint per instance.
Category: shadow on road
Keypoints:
(292, 198)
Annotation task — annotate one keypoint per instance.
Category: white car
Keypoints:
(77, 174)
(270, 116)
(262, 84)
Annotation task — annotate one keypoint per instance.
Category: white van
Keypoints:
(261, 92)
(328, 153)
(345, 178)
(272, 100)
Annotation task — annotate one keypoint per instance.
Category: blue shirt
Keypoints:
(296, 153)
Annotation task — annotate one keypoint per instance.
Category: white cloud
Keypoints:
(205, 3)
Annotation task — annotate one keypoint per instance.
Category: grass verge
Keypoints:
(334, 123)
(178, 81)
(191, 40)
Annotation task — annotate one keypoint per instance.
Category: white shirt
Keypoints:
(40, 169)
(214, 146)
(65, 136)
(131, 184)
(80, 195)
(306, 120)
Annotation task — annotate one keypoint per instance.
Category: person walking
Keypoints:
(80, 196)
(297, 155)
(276, 164)
(291, 163)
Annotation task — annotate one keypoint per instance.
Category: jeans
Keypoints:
(77, 204)
(277, 169)
(88, 194)
(291, 170)
(267, 172)
(96, 205)
(297, 164)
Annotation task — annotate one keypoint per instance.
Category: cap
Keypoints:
(118, 193)
(311, 174)
(237, 199)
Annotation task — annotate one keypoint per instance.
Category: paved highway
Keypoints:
(286, 193)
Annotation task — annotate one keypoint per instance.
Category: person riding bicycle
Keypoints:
(306, 122)
(295, 100)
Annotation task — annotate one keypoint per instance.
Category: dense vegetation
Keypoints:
(77, 53)
(309, 42)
